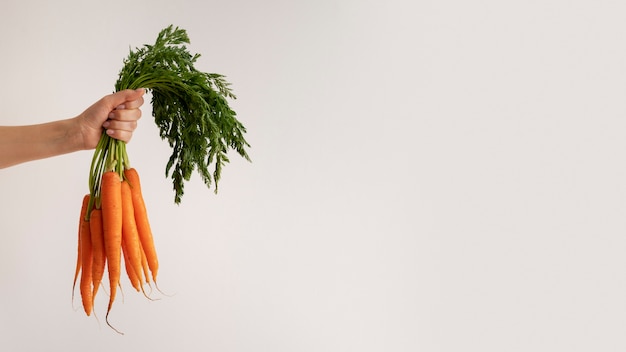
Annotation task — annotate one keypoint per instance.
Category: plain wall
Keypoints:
(426, 176)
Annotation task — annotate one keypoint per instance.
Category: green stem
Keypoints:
(112, 156)
(125, 157)
(120, 158)
(95, 172)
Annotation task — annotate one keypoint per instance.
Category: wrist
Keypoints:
(70, 136)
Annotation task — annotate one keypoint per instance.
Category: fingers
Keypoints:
(127, 111)
(122, 123)
(122, 120)
(120, 129)
(122, 135)
(131, 104)
(125, 96)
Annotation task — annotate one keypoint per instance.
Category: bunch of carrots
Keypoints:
(113, 225)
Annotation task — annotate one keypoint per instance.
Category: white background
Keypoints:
(426, 176)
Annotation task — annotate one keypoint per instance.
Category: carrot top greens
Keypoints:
(190, 108)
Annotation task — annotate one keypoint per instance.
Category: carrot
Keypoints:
(97, 248)
(132, 276)
(143, 224)
(79, 259)
(111, 199)
(130, 235)
(144, 266)
(86, 256)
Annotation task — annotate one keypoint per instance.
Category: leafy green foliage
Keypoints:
(190, 108)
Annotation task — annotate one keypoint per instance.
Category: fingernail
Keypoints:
(121, 107)
(110, 132)
(106, 124)
(111, 115)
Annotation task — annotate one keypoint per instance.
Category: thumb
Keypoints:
(118, 98)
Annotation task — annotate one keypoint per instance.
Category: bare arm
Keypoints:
(117, 113)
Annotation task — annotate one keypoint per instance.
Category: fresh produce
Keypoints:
(98, 253)
(86, 257)
(130, 236)
(149, 259)
(191, 109)
(79, 259)
(111, 202)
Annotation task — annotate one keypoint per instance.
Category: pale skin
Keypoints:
(116, 114)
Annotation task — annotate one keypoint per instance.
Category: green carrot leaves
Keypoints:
(190, 108)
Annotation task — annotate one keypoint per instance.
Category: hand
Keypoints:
(117, 113)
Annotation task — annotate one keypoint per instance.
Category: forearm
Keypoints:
(19, 144)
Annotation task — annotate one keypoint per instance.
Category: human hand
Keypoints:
(117, 113)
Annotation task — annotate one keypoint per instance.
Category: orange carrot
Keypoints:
(79, 259)
(132, 276)
(144, 266)
(143, 224)
(130, 236)
(86, 256)
(111, 199)
(97, 248)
